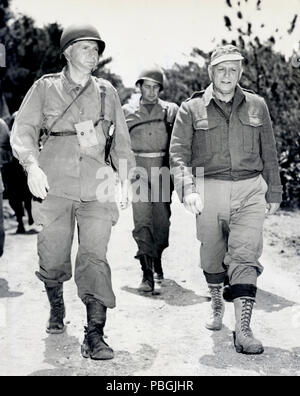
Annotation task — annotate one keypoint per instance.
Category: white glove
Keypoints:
(37, 181)
(193, 203)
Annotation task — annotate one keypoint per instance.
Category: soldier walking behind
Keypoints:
(5, 158)
(17, 191)
(227, 131)
(150, 123)
(77, 113)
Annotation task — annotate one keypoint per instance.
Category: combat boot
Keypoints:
(158, 272)
(244, 341)
(57, 310)
(147, 284)
(94, 345)
(21, 228)
(30, 220)
(217, 307)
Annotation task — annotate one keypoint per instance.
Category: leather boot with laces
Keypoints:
(147, 284)
(244, 340)
(217, 307)
(57, 310)
(93, 345)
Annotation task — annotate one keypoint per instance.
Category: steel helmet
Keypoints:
(154, 74)
(79, 32)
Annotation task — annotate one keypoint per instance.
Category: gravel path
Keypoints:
(152, 335)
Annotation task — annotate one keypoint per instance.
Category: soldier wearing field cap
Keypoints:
(226, 130)
(150, 121)
(77, 114)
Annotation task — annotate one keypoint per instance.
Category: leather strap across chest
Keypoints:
(150, 121)
(101, 117)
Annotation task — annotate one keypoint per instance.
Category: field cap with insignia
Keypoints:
(225, 53)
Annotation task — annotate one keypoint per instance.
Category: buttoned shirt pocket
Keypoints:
(50, 116)
(53, 109)
(251, 126)
(207, 137)
(96, 151)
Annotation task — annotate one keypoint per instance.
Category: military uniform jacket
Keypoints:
(229, 148)
(150, 137)
(72, 172)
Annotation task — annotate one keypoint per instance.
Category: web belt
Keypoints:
(151, 155)
(65, 133)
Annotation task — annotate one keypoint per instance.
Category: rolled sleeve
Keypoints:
(181, 152)
(270, 159)
(26, 128)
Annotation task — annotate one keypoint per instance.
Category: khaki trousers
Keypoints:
(151, 211)
(94, 221)
(230, 228)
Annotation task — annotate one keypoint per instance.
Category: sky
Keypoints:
(140, 33)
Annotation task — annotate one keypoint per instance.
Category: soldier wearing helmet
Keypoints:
(226, 132)
(77, 113)
(150, 121)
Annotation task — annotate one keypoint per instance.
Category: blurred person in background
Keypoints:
(5, 157)
(17, 191)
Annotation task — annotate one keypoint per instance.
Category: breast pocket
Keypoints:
(251, 125)
(207, 137)
(50, 116)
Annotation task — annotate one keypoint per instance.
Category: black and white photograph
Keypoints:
(149, 191)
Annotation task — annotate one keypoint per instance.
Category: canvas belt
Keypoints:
(151, 155)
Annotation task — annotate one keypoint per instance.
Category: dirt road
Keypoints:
(153, 335)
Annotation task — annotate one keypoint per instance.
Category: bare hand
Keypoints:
(37, 181)
(272, 208)
(193, 203)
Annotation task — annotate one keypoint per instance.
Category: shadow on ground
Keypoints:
(5, 292)
(274, 361)
(270, 302)
(62, 352)
(171, 293)
(31, 231)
